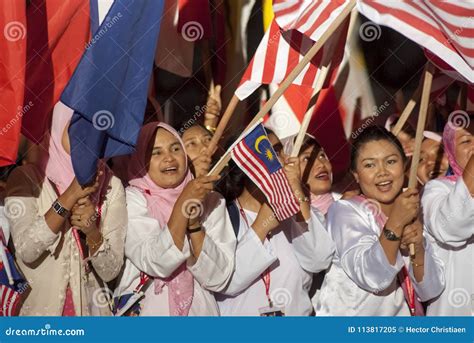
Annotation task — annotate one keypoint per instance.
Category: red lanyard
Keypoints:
(410, 291)
(143, 280)
(266, 274)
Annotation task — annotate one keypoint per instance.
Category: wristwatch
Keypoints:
(60, 209)
(390, 235)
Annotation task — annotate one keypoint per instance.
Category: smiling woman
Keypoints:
(180, 244)
(371, 273)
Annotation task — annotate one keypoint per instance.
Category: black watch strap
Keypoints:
(195, 229)
(390, 235)
(60, 209)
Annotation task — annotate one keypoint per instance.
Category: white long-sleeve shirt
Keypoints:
(448, 210)
(293, 253)
(361, 281)
(151, 249)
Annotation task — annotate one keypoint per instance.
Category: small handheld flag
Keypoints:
(12, 283)
(254, 154)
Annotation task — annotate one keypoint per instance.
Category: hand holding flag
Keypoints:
(254, 154)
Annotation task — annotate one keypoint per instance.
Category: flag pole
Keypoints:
(286, 83)
(309, 113)
(222, 124)
(407, 110)
(425, 99)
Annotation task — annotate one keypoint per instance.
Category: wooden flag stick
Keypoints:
(285, 84)
(323, 72)
(425, 99)
(222, 124)
(407, 110)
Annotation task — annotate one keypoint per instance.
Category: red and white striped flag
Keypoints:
(311, 18)
(254, 154)
(445, 28)
(280, 51)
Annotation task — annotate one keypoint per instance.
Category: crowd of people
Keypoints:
(134, 243)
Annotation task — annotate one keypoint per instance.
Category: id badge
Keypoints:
(272, 311)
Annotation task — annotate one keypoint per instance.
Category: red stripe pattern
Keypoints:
(274, 185)
(310, 17)
(443, 27)
(280, 51)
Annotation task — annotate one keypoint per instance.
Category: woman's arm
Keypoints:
(31, 234)
(109, 257)
(358, 246)
(147, 245)
(448, 213)
(215, 263)
(312, 244)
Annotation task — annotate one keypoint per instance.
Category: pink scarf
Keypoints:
(160, 203)
(449, 141)
(58, 167)
(322, 202)
(403, 276)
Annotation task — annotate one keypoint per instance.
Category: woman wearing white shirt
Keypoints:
(448, 209)
(180, 256)
(274, 261)
(371, 273)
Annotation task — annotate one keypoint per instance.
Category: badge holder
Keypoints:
(271, 311)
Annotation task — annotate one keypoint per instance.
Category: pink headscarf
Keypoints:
(449, 141)
(322, 202)
(160, 203)
(58, 166)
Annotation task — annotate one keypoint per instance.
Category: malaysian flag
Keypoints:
(254, 154)
(12, 283)
(443, 27)
(280, 51)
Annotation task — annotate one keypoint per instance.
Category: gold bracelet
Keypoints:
(302, 199)
(211, 129)
(95, 245)
(416, 264)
